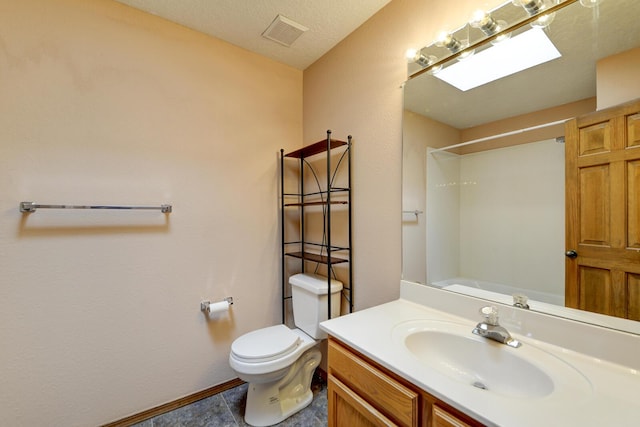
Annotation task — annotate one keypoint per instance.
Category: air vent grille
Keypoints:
(284, 31)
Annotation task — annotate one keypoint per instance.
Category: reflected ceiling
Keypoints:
(609, 29)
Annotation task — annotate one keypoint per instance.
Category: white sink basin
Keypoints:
(452, 350)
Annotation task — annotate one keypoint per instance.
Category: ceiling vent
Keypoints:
(284, 31)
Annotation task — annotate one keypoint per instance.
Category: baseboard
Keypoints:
(179, 403)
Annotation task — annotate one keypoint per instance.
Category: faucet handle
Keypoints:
(520, 300)
(490, 313)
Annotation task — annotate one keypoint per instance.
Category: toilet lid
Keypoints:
(265, 344)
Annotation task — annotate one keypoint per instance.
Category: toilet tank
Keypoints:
(309, 295)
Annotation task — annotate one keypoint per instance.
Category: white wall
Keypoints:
(443, 215)
(100, 103)
(498, 216)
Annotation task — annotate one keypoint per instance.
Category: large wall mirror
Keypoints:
(483, 167)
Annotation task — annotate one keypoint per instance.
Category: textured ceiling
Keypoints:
(242, 22)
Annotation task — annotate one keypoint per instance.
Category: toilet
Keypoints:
(278, 362)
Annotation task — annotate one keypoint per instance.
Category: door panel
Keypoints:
(595, 139)
(633, 130)
(633, 204)
(633, 292)
(594, 205)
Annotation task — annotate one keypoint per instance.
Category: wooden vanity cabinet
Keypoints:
(362, 393)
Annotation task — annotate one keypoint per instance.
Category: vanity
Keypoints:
(362, 392)
(416, 362)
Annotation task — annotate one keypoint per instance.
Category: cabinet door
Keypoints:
(346, 408)
(362, 393)
(397, 402)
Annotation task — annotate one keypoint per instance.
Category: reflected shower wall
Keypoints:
(498, 216)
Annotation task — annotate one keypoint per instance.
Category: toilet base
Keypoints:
(271, 403)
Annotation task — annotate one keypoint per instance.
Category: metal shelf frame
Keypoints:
(308, 251)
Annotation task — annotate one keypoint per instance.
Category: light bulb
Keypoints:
(410, 54)
(489, 26)
(531, 6)
(448, 41)
(482, 20)
(544, 20)
(537, 7)
(501, 25)
(466, 54)
(414, 55)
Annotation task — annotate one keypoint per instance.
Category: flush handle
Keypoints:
(571, 254)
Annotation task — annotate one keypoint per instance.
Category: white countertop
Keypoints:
(612, 397)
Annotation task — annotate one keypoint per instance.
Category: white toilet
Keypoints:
(278, 362)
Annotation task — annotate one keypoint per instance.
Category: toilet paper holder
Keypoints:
(204, 305)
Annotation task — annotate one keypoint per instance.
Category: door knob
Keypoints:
(571, 254)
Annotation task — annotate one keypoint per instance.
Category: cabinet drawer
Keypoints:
(444, 418)
(346, 408)
(391, 398)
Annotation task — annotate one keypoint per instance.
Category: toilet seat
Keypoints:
(268, 350)
(265, 345)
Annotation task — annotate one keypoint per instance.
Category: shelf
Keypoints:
(322, 259)
(308, 209)
(316, 203)
(317, 193)
(333, 248)
(317, 148)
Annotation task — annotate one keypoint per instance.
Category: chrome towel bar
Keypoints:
(29, 207)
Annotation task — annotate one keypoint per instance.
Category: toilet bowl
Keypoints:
(279, 362)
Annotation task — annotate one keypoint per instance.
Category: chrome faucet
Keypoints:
(491, 329)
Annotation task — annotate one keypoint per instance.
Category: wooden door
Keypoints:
(603, 212)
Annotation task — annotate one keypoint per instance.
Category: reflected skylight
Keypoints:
(518, 53)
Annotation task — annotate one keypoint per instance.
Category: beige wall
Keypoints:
(356, 89)
(418, 133)
(515, 123)
(617, 78)
(100, 103)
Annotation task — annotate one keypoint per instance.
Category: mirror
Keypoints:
(486, 216)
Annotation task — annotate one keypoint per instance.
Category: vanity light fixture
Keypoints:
(523, 51)
(590, 3)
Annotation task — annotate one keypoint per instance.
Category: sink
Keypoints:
(453, 351)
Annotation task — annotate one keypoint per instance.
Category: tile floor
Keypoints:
(227, 409)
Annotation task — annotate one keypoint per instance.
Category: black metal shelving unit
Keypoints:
(322, 252)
